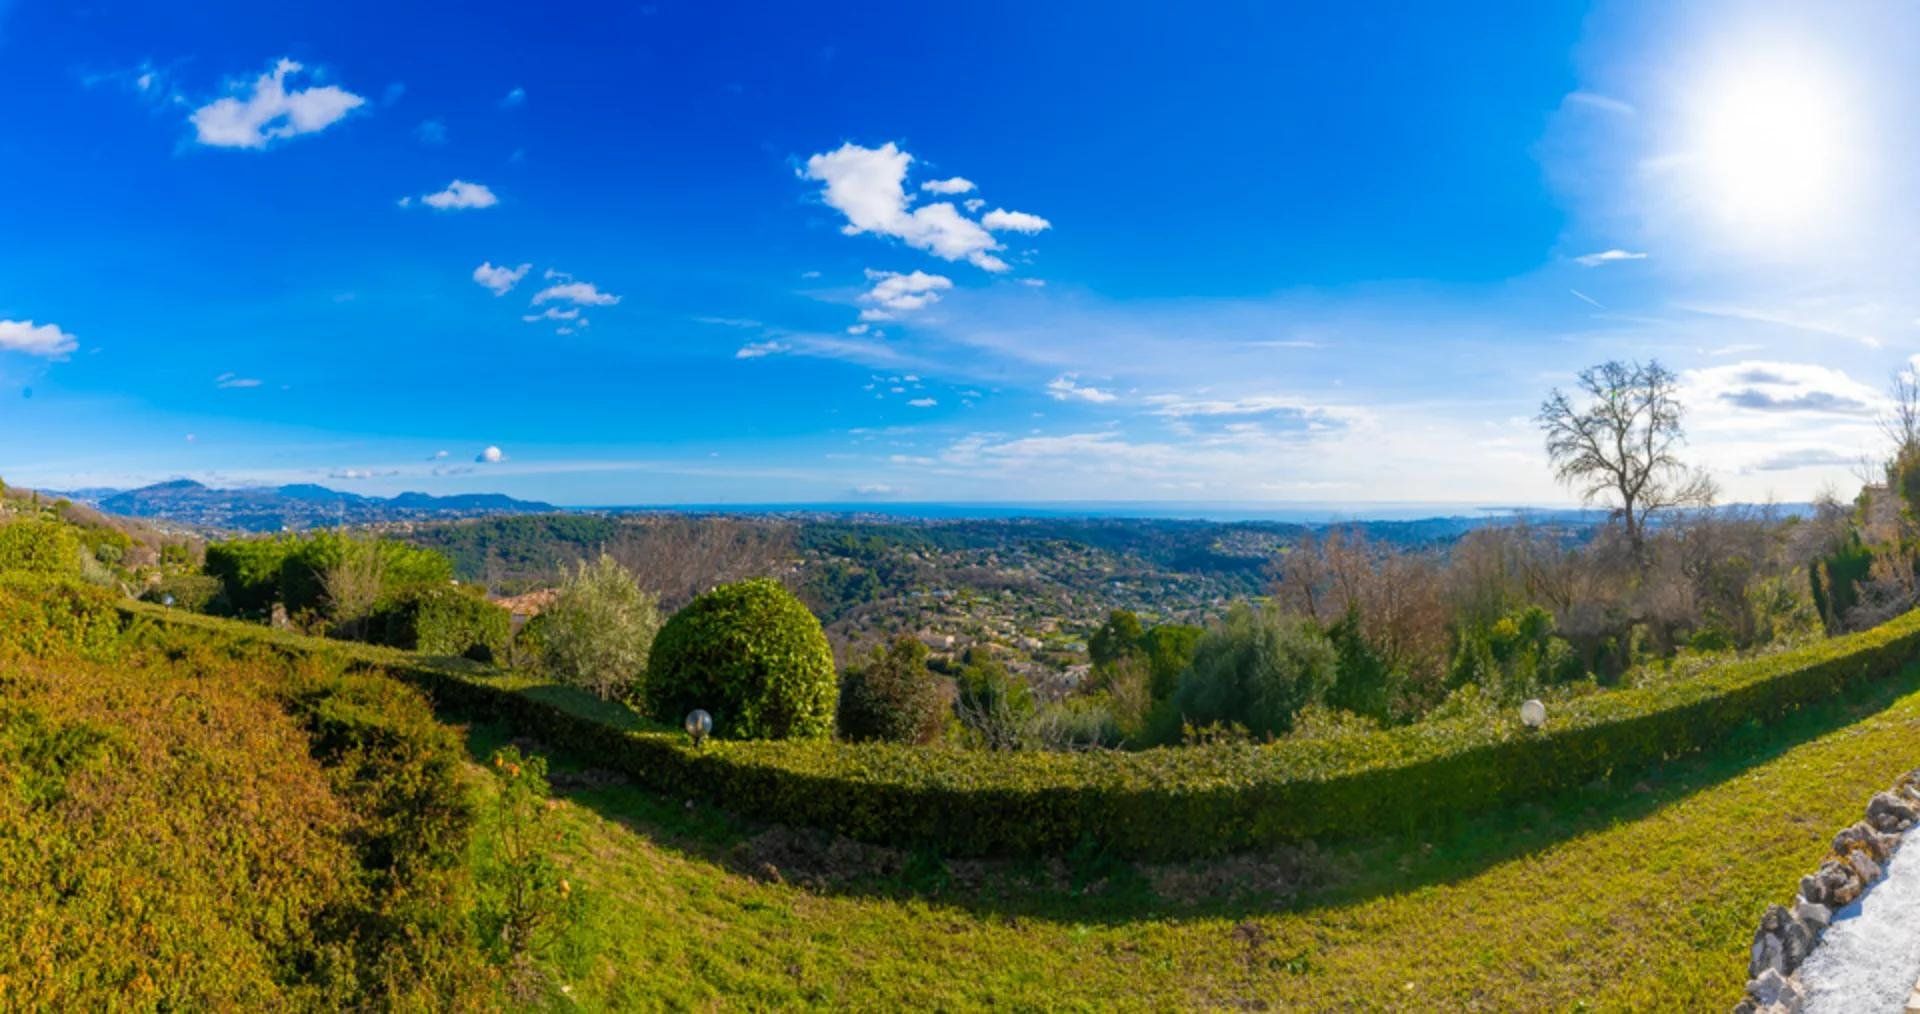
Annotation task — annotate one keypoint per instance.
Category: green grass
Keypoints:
(1639, 896)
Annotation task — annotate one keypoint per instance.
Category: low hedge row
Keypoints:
(1172, 802)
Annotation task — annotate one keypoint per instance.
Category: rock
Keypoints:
(1796, 942)
(1863, 836)
(1746, 1006)
(1771, 988)
(1769, 951)
(1888, 812)
(1839, 884)
(1864, 865)
(1815, 917)
(1813, 890)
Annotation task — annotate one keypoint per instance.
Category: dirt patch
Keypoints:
(1279, 875)
(813, 859)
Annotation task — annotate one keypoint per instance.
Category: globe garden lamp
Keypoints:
(1533, 714)
(699, 725)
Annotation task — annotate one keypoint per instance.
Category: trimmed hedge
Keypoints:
(442, 620)
(1169, 802)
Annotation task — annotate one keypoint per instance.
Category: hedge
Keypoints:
(1162, 803)
(442, 620)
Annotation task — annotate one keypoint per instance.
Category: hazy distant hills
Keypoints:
(297, 506)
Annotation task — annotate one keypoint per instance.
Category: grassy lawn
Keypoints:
(1639, 895)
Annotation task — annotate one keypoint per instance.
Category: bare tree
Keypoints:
(1620, 447)
(677, 558)
(1901, 421)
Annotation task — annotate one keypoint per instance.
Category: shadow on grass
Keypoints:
(1090, 886)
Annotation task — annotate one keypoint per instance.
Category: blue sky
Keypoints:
(662, 253)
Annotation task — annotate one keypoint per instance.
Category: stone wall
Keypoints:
(1787, 934)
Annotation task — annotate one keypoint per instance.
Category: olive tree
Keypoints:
(600, 629)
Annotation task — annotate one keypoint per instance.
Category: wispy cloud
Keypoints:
(1613, 256)
(1604, 103)
(1066, 387)
(234, 380)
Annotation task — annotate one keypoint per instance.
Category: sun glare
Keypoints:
(1772, 150)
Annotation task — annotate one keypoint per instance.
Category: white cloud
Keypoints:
(894, 293)
(431, 132)
(500, 279)
(1034, 283)
(955, 185)
(44, 340)
(491, 456)
(233, 380)
(577, 293)
(1755, 388)
(868, 186)
(923, 403)
(859, 329)
(754, 350)
(1065, 387)
(973, 204)
(553, 313)
(269, 112)
(461, 194)
(514, 99)
(1594, 260)
(1002, 220)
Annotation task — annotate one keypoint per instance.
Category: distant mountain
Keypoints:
(302, 505)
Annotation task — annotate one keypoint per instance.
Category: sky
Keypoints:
(745, 253)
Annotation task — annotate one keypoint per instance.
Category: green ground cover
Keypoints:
(1639, 896)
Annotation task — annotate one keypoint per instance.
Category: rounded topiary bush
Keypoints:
(753, 657)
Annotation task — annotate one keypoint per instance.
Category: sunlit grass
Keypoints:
(1634, 896)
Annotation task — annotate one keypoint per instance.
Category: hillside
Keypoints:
(299, 506)
(1637, 893)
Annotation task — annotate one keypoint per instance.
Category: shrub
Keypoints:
(992, 704)
(1117, 638)
(892, 696)
(442, 620)
(1257, 668)
(751, 655)
(315, 567)
(1364, 683)
(39, 547)
(600, 630)
(249, 569)
(526, 901)
(195, 593)
(1169, 648)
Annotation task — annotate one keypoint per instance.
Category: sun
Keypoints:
(1771, 147)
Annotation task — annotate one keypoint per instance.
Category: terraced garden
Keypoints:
(1634, 889)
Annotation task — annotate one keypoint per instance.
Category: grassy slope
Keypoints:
(1639, 896)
